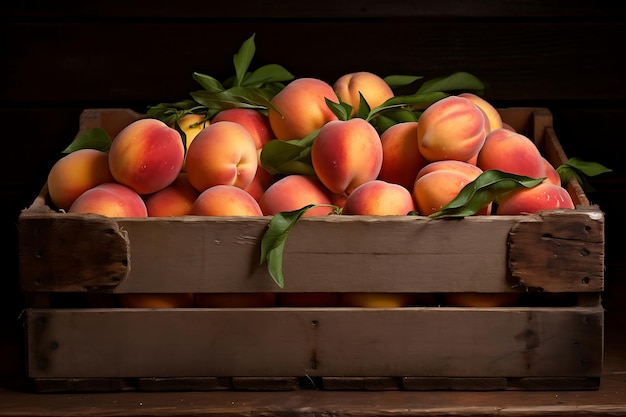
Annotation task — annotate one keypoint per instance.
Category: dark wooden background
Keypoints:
(59, 58)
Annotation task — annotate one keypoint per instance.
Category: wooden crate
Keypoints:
(552, 340)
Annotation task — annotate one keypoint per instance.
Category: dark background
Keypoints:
(59, 58)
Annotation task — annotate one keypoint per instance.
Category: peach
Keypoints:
(495, 120)
(75, 173)
(545, 196)
(402, 159)
(255, 122)
(451, 128)
(450, 164)
(235, 300)
(174, 200)
(225, 200)
(550, 172)
(301, 108)
(261, 182)
(511, 152)
(294, 192)
(110, 199)
(379, 198)
(377, 300)
(374, 89)
(436, 189)
(222, 153)
(191, 124)
(147, 155)
(157, 300)
(346, 154)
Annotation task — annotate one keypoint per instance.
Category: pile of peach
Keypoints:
(410, 167)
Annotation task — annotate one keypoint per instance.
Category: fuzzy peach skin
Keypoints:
(255, 122)
(402, 159)
(550, 172)
(223, 153)
(511, 152)
(545, 196)
(451, 128)
(495, 120)
(174, 200)
(157, 300)
(450, 164)
(225, 200)
(301, 108)
(346, 154)
(191, 124)
(436, 189)
(377, 300)
(374, 89)
(146, 155)
(110, 199)
(476, 299)
(379, 198)
(261, 182)
(294, 192)
(75, 173)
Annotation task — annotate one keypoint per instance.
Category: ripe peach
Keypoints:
(222, 153)
(450, 164)
(377, 300)
(225, 200)
(346, 154)
(495, 120)
(379, 198)
(174, 200)
(75, 173)
(451, 128)
(191, 124)
(402, 159)
(550, 172)
(156, 300)
(235, 300)
(110, 199)
(261, 181)
(374, 89)
(545, 196)
(294, 192)
(255, 122)
(436, 189)
(511, 152)
(146, 155)
(301, 108)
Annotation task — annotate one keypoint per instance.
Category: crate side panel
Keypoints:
(448, 342)
(404, 254)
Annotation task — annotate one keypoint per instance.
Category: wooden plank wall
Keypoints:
(61, 57)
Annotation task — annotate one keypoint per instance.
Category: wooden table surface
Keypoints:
(608, 400)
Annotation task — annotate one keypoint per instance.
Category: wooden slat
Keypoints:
(340, 342)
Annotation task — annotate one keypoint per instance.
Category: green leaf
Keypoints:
(207, 82)
(274, 239)
(243, 58)
(581, 170)
(271, 73)
(94, 138)
(489, 186)
(459, 81)
(364, 109)
(285, 157)
(395, 81)
(342, 109)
